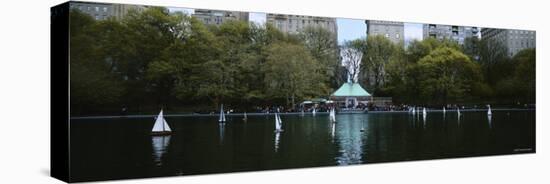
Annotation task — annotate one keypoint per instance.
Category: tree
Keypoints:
(378, 52)
(351, 53)
(396, 75)
(418, 49)
(446, 73)
(200, 74)
(471, 47)
(93, 83)
(323, 46)
(525, 74)
(291, 73)
(494, 60)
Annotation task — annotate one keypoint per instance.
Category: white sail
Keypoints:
(458, 111)
(222, 115)
(424, 111)
(414, 110)
(166, 127)
(280, 122)
(277, 122)
(489, 113)
(160, 124)
(332, 115)
(443, 110)
(245, 115)
(313, 112)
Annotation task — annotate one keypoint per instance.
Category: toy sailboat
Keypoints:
(278, 123)
(161, 126)
(332, 115)
(222, 115)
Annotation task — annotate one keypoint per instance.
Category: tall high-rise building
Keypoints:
(514, 40)
(457, 33)
(295, 23)
(102, 11)
(394, 31)
(218, 17)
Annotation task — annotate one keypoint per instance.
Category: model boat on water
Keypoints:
(161, 127)
(278, 123)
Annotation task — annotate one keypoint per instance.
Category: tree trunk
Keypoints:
(293, 103)
(216, 101)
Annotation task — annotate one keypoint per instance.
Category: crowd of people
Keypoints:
(325, 107)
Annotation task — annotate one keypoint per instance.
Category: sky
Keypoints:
(258, 18)
(350, 29)
(413, 31)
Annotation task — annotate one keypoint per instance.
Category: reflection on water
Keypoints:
(222, 131)
(277, 137)
(332, 128)
(350, 140)
(121, 147)
(160, 147)
(424, 120)
(489, 120)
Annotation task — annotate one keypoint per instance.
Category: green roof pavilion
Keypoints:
(349, 89)
(348, 95)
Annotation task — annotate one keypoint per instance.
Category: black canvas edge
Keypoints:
(59, 92)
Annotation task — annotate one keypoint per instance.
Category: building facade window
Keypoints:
(96, 8)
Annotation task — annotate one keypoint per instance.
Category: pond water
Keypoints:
(121, 148)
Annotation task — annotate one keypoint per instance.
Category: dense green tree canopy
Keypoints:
(379, 52)
(156, 58)
(446, 73)
(291, 73)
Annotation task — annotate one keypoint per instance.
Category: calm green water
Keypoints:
(119, 148)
